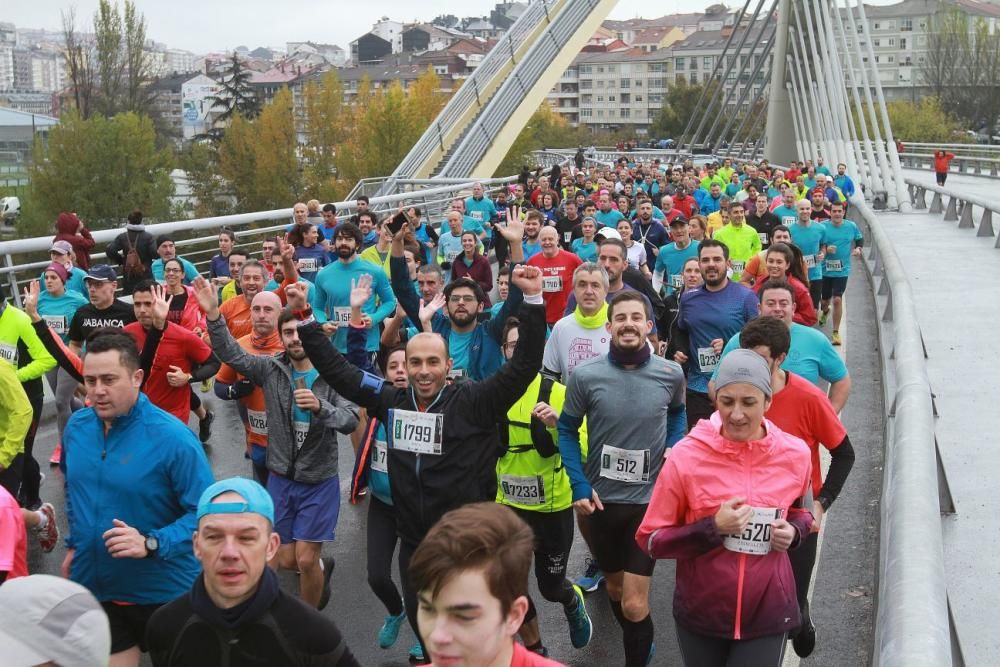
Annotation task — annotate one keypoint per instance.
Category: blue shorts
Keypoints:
(834, 287)
(305, 512)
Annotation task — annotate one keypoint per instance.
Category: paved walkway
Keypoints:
(951, 272)
(983, 187)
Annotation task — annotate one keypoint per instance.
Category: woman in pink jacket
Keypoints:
(727, 506)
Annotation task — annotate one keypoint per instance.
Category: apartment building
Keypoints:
(618, 90)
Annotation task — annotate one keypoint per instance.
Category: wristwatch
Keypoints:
(152, 546)
(825, 502)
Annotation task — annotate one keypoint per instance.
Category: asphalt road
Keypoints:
(842, 601)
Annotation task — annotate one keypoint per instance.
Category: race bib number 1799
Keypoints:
(417, 432)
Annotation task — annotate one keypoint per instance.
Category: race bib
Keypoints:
(342, 315)
(676, 281)
(257, 419)
(8, 352)
(477, 215)
(527, 490)
(810, 261)
(301, 431)
(552, 284)
(756, 537)
(567, 237)
(55, 322)
(451, 255)
(379, 463)
(417, 432)
(307, 265)
(625, 465)
(708, 359)
(738, 266)
(834, 265)
(457, 373)
(763, 238)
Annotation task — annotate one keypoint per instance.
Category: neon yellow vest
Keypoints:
(525, 479)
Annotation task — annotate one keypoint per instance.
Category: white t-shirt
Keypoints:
(637, 255)
(569, 345)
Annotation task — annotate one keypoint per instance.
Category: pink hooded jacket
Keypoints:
(723, 593)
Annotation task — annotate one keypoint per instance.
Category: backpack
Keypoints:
(134, 266)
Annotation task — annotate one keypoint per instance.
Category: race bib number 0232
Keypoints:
(756, 537)
(417, 432)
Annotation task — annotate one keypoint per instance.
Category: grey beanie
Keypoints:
(744, 366)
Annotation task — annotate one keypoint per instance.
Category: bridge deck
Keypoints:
(976, 186)
(960, 318)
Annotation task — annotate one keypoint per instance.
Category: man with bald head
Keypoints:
(443, 440)
(557, 267)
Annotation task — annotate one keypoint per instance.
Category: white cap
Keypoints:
(609, 233)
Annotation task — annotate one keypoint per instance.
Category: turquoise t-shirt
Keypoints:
(74, 284)
(495, 308)
(809, 239)
(333, 297)
(473, 225)
(458, 347)
(786, 215)
(190, 271)
(838, 264)
(671, 261)
(378, 470)
(58, 311)
(609, 219)
(585, 251)
(302, 418)
(811, 355)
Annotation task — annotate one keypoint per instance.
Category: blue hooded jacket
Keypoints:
(148, 471)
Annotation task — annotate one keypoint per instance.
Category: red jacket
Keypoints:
(66, 226)
(480, 271)
(941, 161)
(723, 593)
(805, 312)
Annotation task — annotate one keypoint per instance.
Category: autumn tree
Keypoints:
(277, 181)
(99, 167)
(679, 105)
(545, 129)
(210, 194)
(237, 161)
(325, 127)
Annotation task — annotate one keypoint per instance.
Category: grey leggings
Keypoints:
(701, 651)
(63, 386)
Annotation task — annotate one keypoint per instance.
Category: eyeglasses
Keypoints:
(174, 270)
(462, 298)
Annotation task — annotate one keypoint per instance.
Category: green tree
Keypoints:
(237, 161)
(236, 96)
(679, 105)
(122, 66)
(923, 121)
(210, 193)
(277, 181)
(99, 167)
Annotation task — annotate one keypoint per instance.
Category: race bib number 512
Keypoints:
(625, 465)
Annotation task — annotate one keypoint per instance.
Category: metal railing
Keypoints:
(517, 84)
(21, 257)
(912, 624)
(963, 163)
(483, 82)
(959, 207)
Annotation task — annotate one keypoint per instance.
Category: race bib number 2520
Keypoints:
(756, 537)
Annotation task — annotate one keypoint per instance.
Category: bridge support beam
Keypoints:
(986, 224)
(965, 222)
(779, 108)
(951, 213)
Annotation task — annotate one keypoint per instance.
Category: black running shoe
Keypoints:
(205, 427)
(324, 598)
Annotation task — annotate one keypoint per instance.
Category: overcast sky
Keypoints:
(213, 25)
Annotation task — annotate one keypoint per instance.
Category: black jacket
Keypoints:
(272, 628)
(144, 244)
(425, 486)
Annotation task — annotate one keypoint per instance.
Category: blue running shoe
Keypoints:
(580, 627)
(417, 654)
(592, 577)
(389, 633)
(652, 652)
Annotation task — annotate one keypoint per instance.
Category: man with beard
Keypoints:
(252, 277)
(303, 414)
(474, 346)
(710, 315)
(626, 450)
(333, 288)
(648, 231)
(568, 223)
(532, 245)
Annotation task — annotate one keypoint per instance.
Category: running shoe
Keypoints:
(56, 455)
(328, 565)
(389, 633)
(205, 426)
(49, 536)
(580, 627)
(805, 641)
(652, 652)
(206, 385)
(592, 577)
(836, 338)
(823, 314)
(417, 654)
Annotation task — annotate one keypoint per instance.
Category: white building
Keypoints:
(179, 60)
(391, 31)
(47, 71)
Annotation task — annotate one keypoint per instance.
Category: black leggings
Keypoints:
(816, 292)
(701, 651)
(30, 480)
(803, 560)
(553, 539)
(409, 595)
(381, 536)
(195, 400)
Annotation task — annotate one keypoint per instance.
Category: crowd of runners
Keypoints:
(645, 353)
